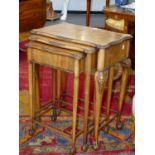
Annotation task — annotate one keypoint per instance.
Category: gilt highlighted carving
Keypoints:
(126, 63)
(101, 79)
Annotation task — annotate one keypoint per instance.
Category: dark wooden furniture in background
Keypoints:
(117, 13)
(114, 12)
(88, 11)
(32, 14)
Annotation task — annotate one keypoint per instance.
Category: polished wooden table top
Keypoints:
(83, 35)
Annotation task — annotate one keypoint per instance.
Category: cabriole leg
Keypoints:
(126, 64)
(100, 80)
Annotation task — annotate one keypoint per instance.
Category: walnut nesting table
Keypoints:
(72, 48)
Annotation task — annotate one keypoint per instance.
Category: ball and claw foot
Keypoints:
(73, 150)
(119, 125)
(95, 146)
(85, 147)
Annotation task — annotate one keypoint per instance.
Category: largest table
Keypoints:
(79, 43)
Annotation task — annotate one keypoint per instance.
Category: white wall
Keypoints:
(80, 5)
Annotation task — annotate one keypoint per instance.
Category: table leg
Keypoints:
(124, 80)
(37, 92)
(88, 12)
(101, 76)
(58, 91)
(75, 102)
(54, 81)
(107, 2)
(64, 80)
(63, 86)
(53, 85)
(86, 99)
(110, 82)
(31, 73)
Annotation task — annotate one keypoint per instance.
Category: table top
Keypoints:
(113, 9)
(84, 35)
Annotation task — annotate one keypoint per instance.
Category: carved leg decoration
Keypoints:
(126, 64)
(75, 102)
(86, 100)
(100, 80)
(118, 67)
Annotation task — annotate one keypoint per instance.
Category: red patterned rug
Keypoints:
(46, 87)
(46, 142)
(117, 142)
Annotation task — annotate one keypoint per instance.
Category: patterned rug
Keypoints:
(46, 87)
(45, 141)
